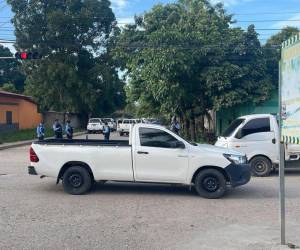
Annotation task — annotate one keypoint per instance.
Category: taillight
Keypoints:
(33, 156)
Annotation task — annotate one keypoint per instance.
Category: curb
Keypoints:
(24, 143)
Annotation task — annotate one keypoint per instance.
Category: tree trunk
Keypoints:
(193, 127)
(187, 128)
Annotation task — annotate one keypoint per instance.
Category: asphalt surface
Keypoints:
(37, 214)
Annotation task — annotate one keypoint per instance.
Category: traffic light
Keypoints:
(27, 55)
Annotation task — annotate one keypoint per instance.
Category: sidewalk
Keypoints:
(24, 143)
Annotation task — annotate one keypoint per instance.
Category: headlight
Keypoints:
(236, 159)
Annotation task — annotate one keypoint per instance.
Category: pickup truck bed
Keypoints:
(82, 142)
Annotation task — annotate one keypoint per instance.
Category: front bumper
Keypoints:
(94, 129)
(32, 171)
(239, 174)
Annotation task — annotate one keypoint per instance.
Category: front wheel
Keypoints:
(210, 183)
(261, 166)
(77, 180)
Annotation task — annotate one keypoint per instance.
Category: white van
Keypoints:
(257, 136)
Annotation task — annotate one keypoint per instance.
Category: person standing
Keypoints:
(40, 131)
(69, 130)
(106, 131)
(57, 129)
(175, 126)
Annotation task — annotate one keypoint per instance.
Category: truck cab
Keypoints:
(258, 137)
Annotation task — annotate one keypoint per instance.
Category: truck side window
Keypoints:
(258, 125)
(156, 138)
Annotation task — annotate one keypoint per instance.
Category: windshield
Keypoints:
(94, 121)
(232, 127)
(106, 120)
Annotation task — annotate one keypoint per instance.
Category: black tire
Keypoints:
(261, 166)
(121, 133)
(77, 180)
(210, 184)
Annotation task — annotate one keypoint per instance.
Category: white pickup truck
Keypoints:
(257, 136)
(153, 154)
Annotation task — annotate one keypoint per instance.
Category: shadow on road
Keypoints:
(254, 191)
(117, 188)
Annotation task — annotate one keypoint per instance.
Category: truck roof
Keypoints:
(256, 116)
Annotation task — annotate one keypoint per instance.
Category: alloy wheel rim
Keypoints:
(75, 180)
(211, 183)
(260, 166)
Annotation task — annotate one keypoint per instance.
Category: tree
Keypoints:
(76, 73)
(10, 72)
(272, 51)
(185, 59)
(9, 87)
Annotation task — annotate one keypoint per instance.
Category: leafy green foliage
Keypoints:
(10, 72)
(185, 59)
(76, 73)
(273, 54)
(9, 87)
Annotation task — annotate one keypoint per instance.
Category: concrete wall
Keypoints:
(50, 116)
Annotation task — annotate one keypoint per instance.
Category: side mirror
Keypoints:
(180, 144)
(239, 134)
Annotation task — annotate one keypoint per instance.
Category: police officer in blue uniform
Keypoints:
(57, 129)
(40, 131)
(69, 130)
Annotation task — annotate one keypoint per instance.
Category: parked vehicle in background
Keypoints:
(153, 154)
(150, 121)
(258, 136)
(95, 125)
(124, 125)
(110, 122)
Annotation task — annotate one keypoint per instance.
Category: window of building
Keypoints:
(9, 117)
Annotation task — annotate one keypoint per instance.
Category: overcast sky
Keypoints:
(265, 14)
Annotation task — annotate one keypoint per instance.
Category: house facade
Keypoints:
(17, 112)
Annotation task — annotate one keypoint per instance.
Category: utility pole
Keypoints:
(281, 168)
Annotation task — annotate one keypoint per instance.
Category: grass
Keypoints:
(24, 135)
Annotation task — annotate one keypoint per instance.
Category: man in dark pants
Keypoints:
(106, 131)
(57, 129)
(40, 131)
(175, 126)
(69, 130)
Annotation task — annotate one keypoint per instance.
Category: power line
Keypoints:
(267, 21)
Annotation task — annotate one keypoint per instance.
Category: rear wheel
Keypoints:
(121, 133)
(77, 180)
(210, 183)
(261, 166)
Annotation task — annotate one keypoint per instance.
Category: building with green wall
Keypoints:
(225, 116)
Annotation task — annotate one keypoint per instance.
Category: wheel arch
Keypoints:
(71, 164)
(227, 178)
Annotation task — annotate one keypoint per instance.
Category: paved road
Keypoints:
(36, 214)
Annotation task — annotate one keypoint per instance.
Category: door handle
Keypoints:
(183, 156)
(142, 152)
(274, 141)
